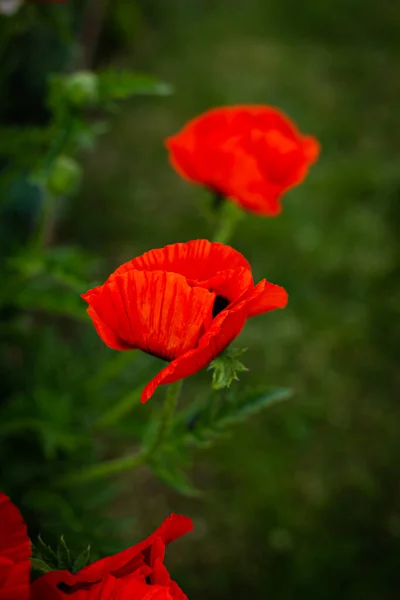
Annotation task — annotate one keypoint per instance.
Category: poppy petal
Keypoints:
(196, 260)
(225, 327)
(108, 336)
(155, 311)
(230, 284)
(118, 565)
(108, 588)
(252, 154)
(15, 552)
(268, 297)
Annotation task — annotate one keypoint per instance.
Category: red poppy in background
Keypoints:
(15, 553)
(137, 573)
(251, 154)
(184, 303)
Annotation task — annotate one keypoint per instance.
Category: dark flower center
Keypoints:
(220, 303)
(71, 589)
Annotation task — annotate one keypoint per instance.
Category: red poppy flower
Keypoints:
(137, 573)
(250, 154)
(15, 552)
(184, 303)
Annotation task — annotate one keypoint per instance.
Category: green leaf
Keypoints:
(211, 420)
(23, 140)
(63, 554)
(46, 554)
(82, 88)
(39, 565)
(64, 176)
(120, 408)
(81, 560)
(120, 85)
(173, 476)
(226, 368)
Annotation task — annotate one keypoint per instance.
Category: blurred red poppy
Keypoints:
(184, 303)
(251, 154)
(137, 573)
(15, 553)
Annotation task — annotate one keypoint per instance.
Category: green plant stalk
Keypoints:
(118, 411)
(45, 219)
(228, 217)
(167, 415)
(46, 213)
(105, 469)
(127, 463)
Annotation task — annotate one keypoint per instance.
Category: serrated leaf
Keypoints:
(214, 418)
(252, 403)
(226, 368)
(39, 565)
(116, 85)
(63, 554)
(81, 560)
(45, 553)
(174, 478)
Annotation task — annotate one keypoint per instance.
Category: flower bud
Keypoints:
(64, 177)
(82, 89)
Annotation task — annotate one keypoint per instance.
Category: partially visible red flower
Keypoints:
(184, 303)
(137, 573)
(15, 553)
(251, 154)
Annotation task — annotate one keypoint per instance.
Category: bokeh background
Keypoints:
(302, 501)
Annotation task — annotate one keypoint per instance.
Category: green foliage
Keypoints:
(64, 177)
(226, 368)
(308, 491)
(206, 421)
(45, 559)
(120, 85)
(82, 89)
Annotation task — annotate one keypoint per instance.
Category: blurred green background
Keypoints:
(302, 501)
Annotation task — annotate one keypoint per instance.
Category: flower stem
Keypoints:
(45, 219)
(167, 415)
(119, 410)
(111, 467)
(127, 463)
(228, 216)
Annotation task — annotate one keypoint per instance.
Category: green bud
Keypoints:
(226, 368)
(82, 88)
(64, 177)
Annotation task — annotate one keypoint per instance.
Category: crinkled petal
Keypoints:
(155, 311)
(15, 552)
(108, 588)
(196, 260)
(225, 328)
(252, 154)
(270, 297)
(230, 284)
(109, 337)
(125, 562)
